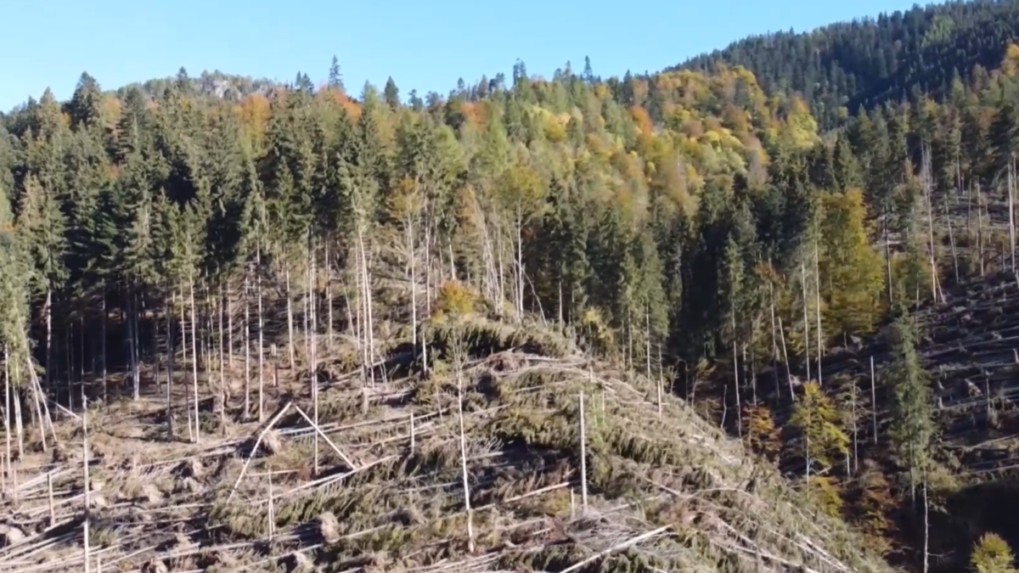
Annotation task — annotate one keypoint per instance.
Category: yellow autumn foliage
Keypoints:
(991, 554)
(454, 301)
(1010, 63)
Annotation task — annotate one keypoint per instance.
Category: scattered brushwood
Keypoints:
(568, 464)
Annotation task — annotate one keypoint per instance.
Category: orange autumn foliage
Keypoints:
(254, 113)
(474, 113)
(642, 120)
(640, 89)
(352, 108)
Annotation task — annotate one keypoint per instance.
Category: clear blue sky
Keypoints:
(425, 45)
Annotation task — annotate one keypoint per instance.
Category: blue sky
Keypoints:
(421, 44)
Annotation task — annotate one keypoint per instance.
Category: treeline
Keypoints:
(589, 203)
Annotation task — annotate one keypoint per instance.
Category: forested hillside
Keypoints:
(891, 57)
(198, 265)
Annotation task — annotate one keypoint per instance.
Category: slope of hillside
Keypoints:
(665, 491)
(873, 60)
(970, 348)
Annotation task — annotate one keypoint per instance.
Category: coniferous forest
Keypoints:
(756, 312)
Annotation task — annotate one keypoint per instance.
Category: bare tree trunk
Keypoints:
(18, 420)
(7, 412)
(69, 362)
(261, 338)
(247, 344)
(184, 358)
(785, 354)
(806, 319)
(229, 325)
(428, 273)
(753, 361)
(329, 297)
(856, 449)
(951, 241)
(171, 351)
(926, 522)
(559, 286)
(735, 381)
(969, 202)
(413, 283)
(502, 275)
(928, 200)
(491, 279)
(131, 348)
(873, 399)
(368, 323)
(980, 231)
(463, 446)
(102, 335)
(647, 342)
(306, 303)
(888, 259)
(629, 342)
(39, 398)
(223, 302)
(272, 509)
(583, 451)
(81, 350)
(806, 448)
(1011, 210)
(661, 380)
(194, 361)
(774, 340)
(313, 357)
(84, 463)
(49, 339)
(520, 269)
(290, 321)
(817, 310)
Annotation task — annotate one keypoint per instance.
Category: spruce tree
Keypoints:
(913, 426)
(335, 76)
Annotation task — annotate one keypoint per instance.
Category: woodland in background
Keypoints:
(694, 225)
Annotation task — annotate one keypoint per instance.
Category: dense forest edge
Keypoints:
(781, 274)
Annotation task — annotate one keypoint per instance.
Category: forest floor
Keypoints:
(637, 482)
